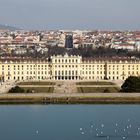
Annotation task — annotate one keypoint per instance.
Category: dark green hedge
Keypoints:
(131, 84)
(16, 89)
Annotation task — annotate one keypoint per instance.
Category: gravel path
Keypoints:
(65, 87)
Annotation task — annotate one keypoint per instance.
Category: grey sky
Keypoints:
(71, 14)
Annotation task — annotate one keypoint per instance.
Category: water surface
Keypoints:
(69, 122)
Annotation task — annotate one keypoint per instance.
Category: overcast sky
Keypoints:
(71, 14)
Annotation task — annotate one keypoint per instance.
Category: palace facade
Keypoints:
(68, 68)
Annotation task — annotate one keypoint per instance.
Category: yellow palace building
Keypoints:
(68, 68)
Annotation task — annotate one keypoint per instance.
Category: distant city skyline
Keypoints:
(71, 14)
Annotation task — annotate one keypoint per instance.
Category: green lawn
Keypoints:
(97, 89)
(95, 83)
(40, 89)
(35, 83)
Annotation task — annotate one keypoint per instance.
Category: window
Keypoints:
(62, 72)
(133, 67)
(55, 72)
(72, 72)
(2, 67)
(132, 72)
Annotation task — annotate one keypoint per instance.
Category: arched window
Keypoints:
(62, 72)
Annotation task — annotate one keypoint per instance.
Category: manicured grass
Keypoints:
(35, 83)
(98, 90)
(95, 83)
(40, 89)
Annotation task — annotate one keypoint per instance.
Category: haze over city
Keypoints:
(71, 14)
